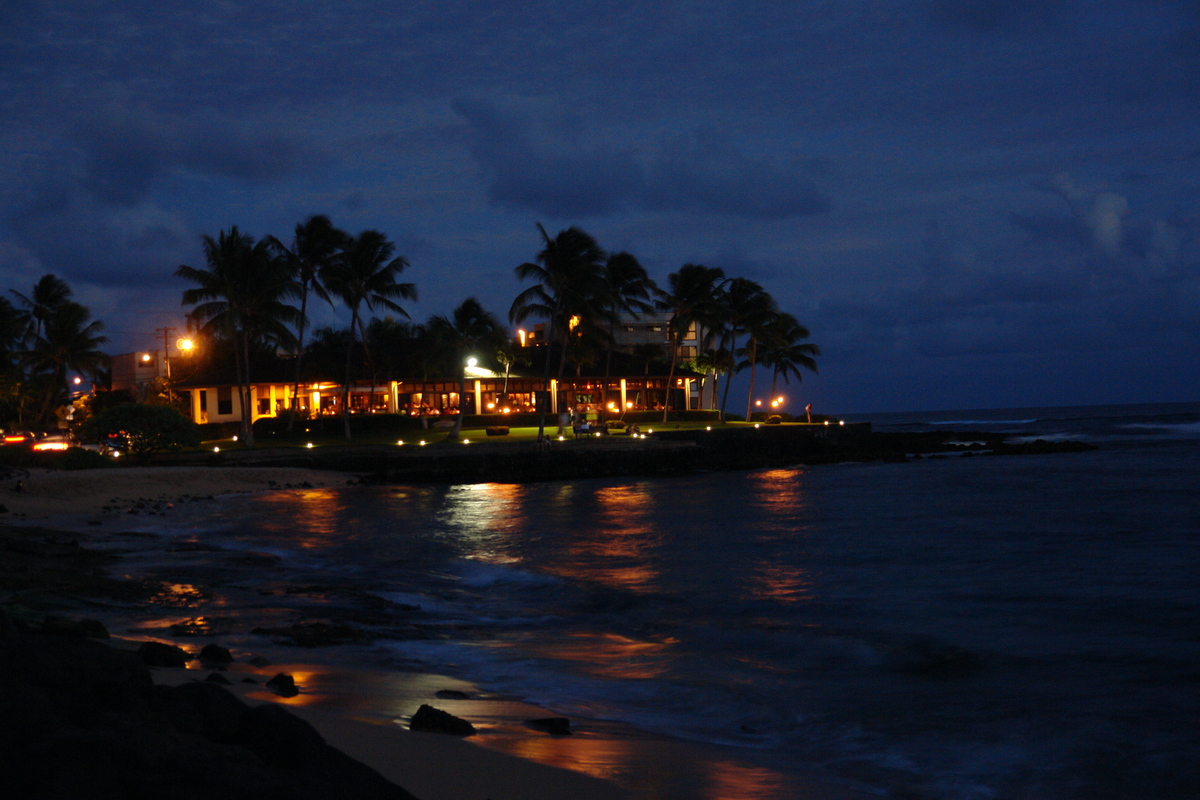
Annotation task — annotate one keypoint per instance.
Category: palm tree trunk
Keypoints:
(291, 423)
(346, 384)
(729, 377)
(670, 378)
(243, 359)
(753, 345)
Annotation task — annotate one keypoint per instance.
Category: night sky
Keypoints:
(970, 203)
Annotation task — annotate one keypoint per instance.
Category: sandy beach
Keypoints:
(431, 766)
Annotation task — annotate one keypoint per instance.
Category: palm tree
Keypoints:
(691, 299)
(745, 307)
(627, 290)
(49, 294)
(242, 297)
(315, 243)
(508, 355)
(469, 328)
(68, 341)
(570, 286)
(364, 274)
(783, 350)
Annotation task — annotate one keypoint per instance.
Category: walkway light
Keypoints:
(309, 445)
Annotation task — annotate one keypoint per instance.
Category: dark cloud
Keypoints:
(999, 16)
(552, 164)
(706, 173)
(126, 149)
(545, 163)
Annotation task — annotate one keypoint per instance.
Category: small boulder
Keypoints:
(555, 726)
(434, 720)
(157, 654)
(215, 654)
(283, 685)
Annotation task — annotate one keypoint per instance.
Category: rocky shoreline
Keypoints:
(85, 719)
(667, 452)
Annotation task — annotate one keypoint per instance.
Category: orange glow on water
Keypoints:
(620, 554)
(611, 655)
(313, 515)
(781, 583)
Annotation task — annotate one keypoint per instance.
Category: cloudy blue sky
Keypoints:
(971, 203)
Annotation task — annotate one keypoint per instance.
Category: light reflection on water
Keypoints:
(486, 518)
(618, 545)
(314, 518)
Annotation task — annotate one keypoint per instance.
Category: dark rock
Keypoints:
(215, 654)
(452, 694)
(157, 654)
(81, 628)
(283, 685)
(434, 720)
(555, 726)
(218, 678)
(202, 709)
(260, 661)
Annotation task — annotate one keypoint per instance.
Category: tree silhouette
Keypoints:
(691, 299)
(569, 285)
(470, 328)
(315, 244)
(364, 274)
(242, 297)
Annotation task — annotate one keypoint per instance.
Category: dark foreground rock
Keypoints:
(434, 720)
(83, 719)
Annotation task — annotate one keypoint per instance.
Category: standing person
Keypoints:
(808, 412)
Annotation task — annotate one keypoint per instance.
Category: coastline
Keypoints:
(515, 764)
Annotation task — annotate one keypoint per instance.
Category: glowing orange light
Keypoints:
(51, 446)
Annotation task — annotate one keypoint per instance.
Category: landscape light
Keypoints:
(78, 380)
(562, 438)
(309, 445)
(216, 449)
(400, 442)
(466, 441)
(709, 428)
(756, 425)
(422, 443)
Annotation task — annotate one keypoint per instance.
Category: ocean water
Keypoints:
(953, 628)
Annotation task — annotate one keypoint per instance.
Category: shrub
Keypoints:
(497, 430)
(615, 425)
(774, 419)
(142, 429)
